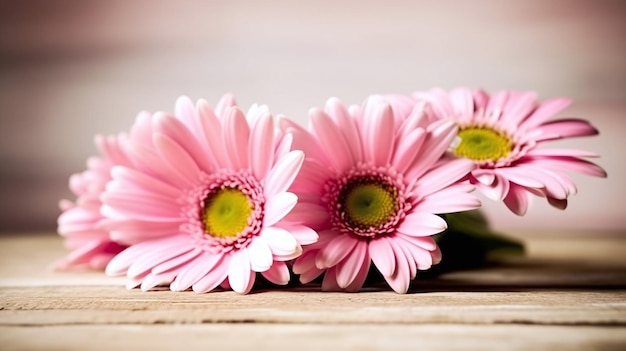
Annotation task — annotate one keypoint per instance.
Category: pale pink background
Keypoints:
(73, 68)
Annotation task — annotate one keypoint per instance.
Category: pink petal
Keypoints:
(277, 274)
(145, 181)
(570, 164)
(361, 275)
(280, 241)
(424, 242)
(497, 190)
(332, 140)
(517, 200)
(226, 101)
(283, 146)
(305, 262)
(141, 130)
(520, 175)
(422, 224)
(236, 135)
(303, 234)
(195, 270)
(147, 160)
(338, 112)
(422, 257)
(349, 268)
(560, 204)
(176, 261)
(185, 110)
(455, 198)
(440, 102)
(496, 103)
(283, 173)
(517, 108)
(407, 149)
(308, 214)
(335, 251)
(305, 267)
(462, 101)
(148, 261)
(382, 255)
(214, 278)
(330, 281)
(399, 281)
(546, 110)
(561, 152)
(442, 176)
(399, 245)
(177, 158)
(378, 133)
(155, 208)
(438, 141)
(120, 263)
(303, 140)
(152, 280)
(181, 135)
(211, 135)
(484, 176)
(565, 128)
(261, 258)
(278, 206)
(261, 146)
(481, 98)
(239, 273)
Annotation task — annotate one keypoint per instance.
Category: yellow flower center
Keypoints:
(225, 213)
(482, 144)
(369, 204)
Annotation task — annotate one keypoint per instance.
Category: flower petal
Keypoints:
(280, 241)
(283, 173)
(335, 251)
(422, 224)
(261, 258)
(261, 146)
(214, 278)
(378, 132)
(177, 158)
(236, 136)
(332, 140)
(277, 274)
(382, 255)
(239, 273)
(194, 271)
(350, 267)
(278, 206)
(517, 200)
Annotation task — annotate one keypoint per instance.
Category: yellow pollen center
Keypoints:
(370, 205)
(482, 144)
(225, 213)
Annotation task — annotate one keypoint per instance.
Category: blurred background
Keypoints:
(70, 69)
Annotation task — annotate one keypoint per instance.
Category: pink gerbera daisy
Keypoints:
(203, 203)
(504, 135)
(79, 223)
(371, 184)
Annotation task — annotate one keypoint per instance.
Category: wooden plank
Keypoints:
(568, 294)
(313, 337)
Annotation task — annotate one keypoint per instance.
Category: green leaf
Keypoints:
(469, 243)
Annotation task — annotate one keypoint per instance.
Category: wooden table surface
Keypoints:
(567, 293)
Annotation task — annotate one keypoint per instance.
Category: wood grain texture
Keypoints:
(549, 299)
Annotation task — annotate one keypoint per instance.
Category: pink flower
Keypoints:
(80, 222)
(371, 184)
(204, 201)
(506, 135)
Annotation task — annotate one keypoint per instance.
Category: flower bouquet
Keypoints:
(217, 198)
